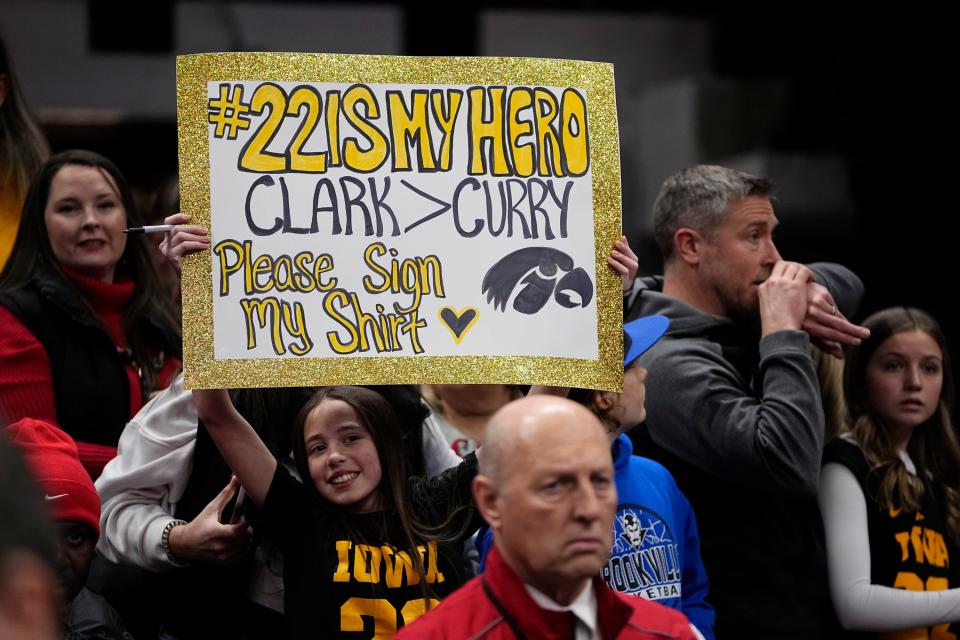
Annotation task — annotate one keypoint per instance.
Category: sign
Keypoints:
(400, 220)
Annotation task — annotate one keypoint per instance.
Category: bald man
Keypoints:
(546, 488)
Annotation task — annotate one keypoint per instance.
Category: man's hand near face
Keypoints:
(828, 328)
(783, 297)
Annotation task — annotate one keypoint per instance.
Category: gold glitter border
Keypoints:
(201, 370)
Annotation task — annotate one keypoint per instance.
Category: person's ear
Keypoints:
(604, 401)
(688, 245)
(486, 496)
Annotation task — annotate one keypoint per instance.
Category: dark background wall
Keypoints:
(848, 111)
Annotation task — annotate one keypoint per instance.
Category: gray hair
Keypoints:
(698, 198)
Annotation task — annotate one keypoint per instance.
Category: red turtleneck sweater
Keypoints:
(26, 383)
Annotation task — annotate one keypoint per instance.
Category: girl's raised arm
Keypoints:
(241, 447)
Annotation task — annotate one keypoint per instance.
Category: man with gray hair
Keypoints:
(733, 401)
(546, 487)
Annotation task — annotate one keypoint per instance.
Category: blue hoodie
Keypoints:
(656, 548)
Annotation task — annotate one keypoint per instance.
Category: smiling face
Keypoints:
(342, 457)
(84, 219)
(904, 379)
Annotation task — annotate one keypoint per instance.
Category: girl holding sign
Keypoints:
(890, 488)
(365, 550)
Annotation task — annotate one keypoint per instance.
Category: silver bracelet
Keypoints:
(165, 541)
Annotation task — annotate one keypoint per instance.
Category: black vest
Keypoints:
(90, 385)
(908, 550)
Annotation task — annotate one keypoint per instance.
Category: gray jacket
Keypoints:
(739, 422)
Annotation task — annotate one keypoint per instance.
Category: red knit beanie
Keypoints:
(52, 456)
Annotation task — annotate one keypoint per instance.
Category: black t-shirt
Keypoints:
(908, 550)
(342, 578)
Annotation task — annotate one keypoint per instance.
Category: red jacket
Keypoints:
(496, 605)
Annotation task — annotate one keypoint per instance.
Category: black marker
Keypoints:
(154, 228)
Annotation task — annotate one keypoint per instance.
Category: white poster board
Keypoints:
(400, 220)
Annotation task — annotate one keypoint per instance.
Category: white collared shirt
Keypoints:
(583, 607)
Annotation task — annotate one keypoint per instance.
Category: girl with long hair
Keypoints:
(366, 550)
(890, 487)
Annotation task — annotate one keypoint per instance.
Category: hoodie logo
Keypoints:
(645, 559)
(56, 497)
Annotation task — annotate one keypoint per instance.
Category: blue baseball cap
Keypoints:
(641, 334)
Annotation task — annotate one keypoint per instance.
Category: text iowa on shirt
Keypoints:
(376, 563)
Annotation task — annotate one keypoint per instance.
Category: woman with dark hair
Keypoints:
(85, 333)
(890, 486)
(22, 150)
